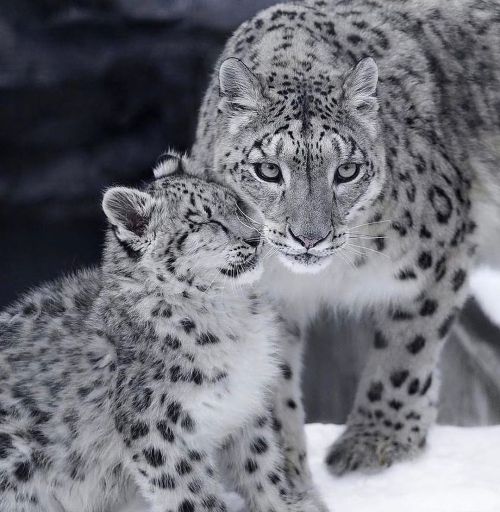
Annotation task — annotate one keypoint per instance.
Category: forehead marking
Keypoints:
(273, 146)
(308, 166)
(305, 110)
(279, 146)
(352, 148)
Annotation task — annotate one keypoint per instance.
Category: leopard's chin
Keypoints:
(304, 263)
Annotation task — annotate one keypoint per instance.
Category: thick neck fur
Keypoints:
(134, 297)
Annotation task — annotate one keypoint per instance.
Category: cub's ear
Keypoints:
(241, 91)
(128, 210)
(169, 163)
(359, 88)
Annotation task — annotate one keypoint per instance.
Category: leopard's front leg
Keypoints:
(254, 461)
(396, 402)
(288, 409)
(172, 473)
(289, 415)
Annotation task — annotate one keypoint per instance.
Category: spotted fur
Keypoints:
(409, 92)
(146, 372)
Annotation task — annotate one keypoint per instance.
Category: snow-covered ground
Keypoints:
(459, 472)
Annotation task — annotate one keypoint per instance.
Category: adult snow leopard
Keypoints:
(367, 134)
(137, 373)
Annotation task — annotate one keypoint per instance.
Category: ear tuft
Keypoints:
(128, 210)
(359, 88)
(169, 163)
(240, 89)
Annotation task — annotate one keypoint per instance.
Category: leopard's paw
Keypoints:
(310, 501)
(368, 450)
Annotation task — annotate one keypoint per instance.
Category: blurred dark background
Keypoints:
(91, 93)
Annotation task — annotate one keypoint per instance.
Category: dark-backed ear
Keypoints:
(128, 210)
(359, 88)
(241, 91)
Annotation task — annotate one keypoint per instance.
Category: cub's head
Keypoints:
(181, 232)
(304, 148)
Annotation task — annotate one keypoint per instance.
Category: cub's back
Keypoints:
(47, 341)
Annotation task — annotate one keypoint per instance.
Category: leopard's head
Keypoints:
(305, 149)
(181, 233)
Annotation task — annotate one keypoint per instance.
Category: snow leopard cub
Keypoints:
(143, 372)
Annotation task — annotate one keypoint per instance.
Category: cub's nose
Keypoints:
(308, 241)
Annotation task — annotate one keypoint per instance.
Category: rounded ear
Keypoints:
(128, 210)
(169, 163)
(359, 88)
(240, 89)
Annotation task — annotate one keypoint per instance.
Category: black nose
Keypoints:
(252, 242)
(308, 241)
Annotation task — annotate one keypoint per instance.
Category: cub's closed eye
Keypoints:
(217, 223)
(347, 172)
(199, 223)
(269, 172)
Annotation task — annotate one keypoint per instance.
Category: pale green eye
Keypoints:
(268, 172)
(347, 172)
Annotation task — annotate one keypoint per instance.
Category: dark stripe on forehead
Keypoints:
(336, 145)
(308, 165)
(305, 111)
(257, 145)
(305, 114)
(352, 148)
(348, 144)
(279, 147)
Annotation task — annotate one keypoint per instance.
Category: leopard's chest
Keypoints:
(238, 372)
(339, 285)
(227, 405)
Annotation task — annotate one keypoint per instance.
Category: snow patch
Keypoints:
(459, 472)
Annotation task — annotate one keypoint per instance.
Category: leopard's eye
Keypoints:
(268, 172)
(347, 172)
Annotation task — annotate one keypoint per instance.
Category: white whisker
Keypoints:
(367, 237)
(272, 252)
(344, 258)
(249, 218)
(369, 249)
(355, 251)
(370, 223)
(253, 228)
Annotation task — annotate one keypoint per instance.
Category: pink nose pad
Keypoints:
(307, 241)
